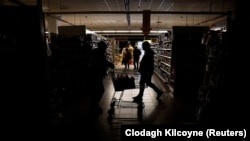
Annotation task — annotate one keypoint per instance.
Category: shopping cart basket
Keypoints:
(121, 82)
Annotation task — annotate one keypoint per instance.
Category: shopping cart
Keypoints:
(122, 81)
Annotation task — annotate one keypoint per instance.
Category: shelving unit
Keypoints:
(163, 60)
(92, 39)
(189, 60)
(154, 47)
(110, 50)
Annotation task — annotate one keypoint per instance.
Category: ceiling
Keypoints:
(117, 15)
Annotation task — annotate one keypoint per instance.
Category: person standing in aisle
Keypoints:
(98, 70)
(126, 57)
(136, 54)
(146, 70)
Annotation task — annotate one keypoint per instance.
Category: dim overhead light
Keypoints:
(128, 31)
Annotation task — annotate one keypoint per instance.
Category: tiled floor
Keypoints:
(74, 122)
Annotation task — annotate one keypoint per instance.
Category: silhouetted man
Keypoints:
(146, 69)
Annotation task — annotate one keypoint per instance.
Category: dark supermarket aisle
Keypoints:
(30, 112)
(75, 121)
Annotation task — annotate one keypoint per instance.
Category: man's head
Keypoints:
(145, 45)
(102, 46)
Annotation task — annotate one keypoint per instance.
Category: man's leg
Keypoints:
(141, 91)
(134, 64)
(153, 86)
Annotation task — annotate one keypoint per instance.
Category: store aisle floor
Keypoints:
(74, 122)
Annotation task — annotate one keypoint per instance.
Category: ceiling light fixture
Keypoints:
(128, 31)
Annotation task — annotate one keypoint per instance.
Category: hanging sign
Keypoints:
(146, 22)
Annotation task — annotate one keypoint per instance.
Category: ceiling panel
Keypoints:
(171, 12)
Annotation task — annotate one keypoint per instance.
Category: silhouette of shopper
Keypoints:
(136, 54)
(98, 70)
(146, 70)
(126, 57)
